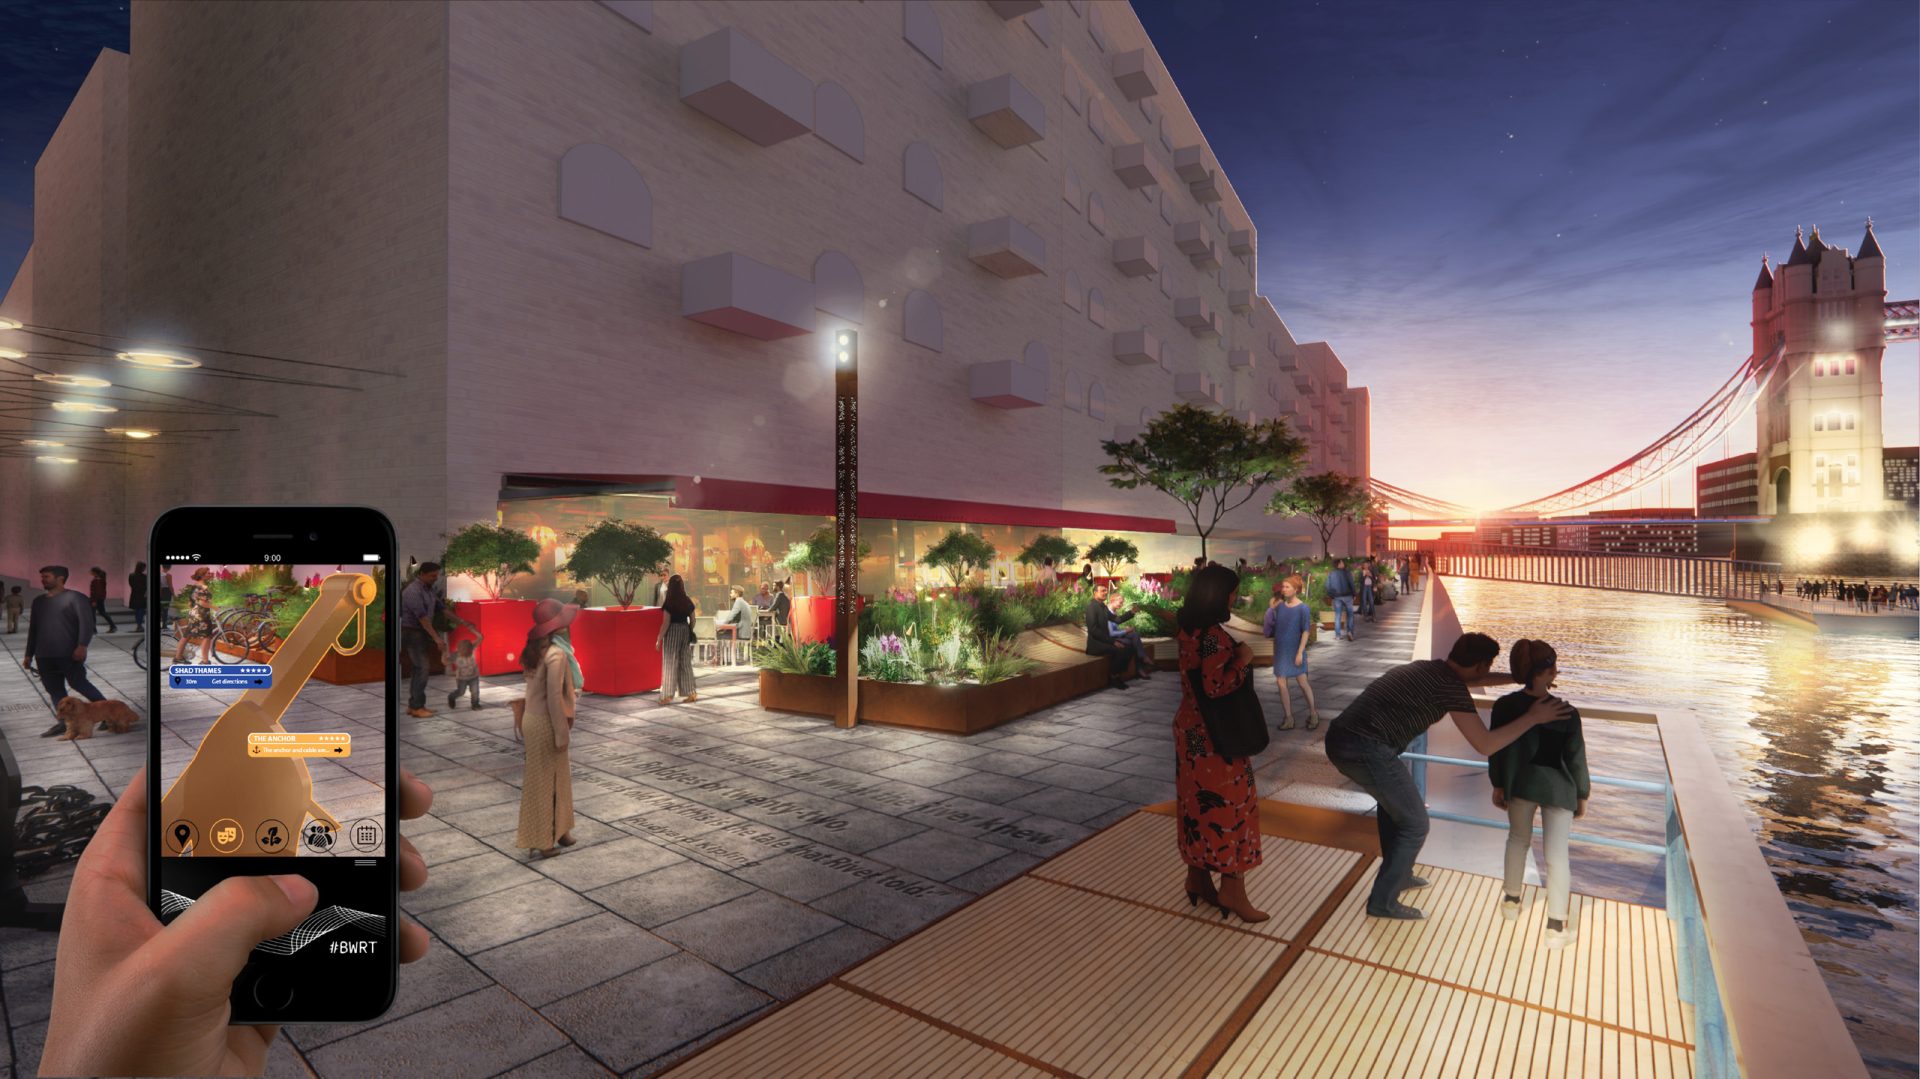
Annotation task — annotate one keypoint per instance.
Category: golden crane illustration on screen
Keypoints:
(223, 780)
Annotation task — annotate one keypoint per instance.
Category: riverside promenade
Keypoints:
(730, 858)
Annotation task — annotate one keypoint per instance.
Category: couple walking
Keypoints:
(1218, 828)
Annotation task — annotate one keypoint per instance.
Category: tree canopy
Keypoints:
(960, 554)
(1112, 552)
(1328, 499)
(813, 556)
(1210, 463)
(620, 555)
(1058, 548)
(490, 554)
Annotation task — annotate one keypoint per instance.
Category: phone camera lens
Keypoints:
(312, 536)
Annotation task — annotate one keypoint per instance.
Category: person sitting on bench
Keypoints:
(1100, 640)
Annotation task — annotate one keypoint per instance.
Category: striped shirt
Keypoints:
(1404, 702)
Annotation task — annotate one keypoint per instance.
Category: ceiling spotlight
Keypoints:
(12, 354)
(42, 443)
(9, 323)
(77, 381)
(52, 460)
(132, 432)
(82, 406)
(147, 357)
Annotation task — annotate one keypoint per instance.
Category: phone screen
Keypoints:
(271, 690)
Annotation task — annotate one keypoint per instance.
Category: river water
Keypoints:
(1819, 734)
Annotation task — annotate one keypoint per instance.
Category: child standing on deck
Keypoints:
(466, 671)
(1544, 769)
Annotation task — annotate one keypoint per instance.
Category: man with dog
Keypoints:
(58, 630)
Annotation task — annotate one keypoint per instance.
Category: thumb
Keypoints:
(211, 940)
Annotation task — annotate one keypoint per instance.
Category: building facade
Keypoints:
(1729, 488)
(595, 251)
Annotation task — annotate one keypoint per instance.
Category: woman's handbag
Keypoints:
(1235, 723)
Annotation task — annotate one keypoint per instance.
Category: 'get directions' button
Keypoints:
(220, 676)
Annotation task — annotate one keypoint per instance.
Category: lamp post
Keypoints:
(846, 519)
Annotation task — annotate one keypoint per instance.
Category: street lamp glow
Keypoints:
(12, 354)
(843, 356)
(9, 323)
(87, 382)
(53, 460)
(42, 443)
(132, 432)
(166, 361)
(845, 340)
(82, 406)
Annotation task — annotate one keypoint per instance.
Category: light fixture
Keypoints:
(52, 460)
(43, 443)
(12, 354)
(9, 323)
(845, 340)
(82, 406)
(148, 357)
(77, 381)
(132, 432)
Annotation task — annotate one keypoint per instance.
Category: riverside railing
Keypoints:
(1677, 575)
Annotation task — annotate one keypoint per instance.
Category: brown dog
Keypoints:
(81, 717)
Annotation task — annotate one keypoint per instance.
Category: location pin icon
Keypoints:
(181, 833)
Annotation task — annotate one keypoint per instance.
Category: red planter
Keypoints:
(616, 649)
(366, 665)
(813, 617)
(504, 625)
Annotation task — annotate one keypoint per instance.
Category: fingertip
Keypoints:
(299, 890)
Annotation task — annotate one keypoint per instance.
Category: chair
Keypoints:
(704, 645)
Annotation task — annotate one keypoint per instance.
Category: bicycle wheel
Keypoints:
(232, 646)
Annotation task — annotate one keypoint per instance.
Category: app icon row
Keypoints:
(228, 836)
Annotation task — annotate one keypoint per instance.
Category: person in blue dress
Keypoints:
(1290, 622)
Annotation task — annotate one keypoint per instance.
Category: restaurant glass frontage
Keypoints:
(715, 549)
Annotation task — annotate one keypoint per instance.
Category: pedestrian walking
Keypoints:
(164, 616)
(420, 640)
(676, 643)
(1366, 739)
(1289, 622)
(1339, 589)
(58, 631)
(1219, 830)
(544, 723)
(16, 605)
(97, 594)
(137, 596)
(1406, 582)
(1367, 583)
(1544, 770)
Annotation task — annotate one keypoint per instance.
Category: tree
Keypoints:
(490, 554)
(1211, 464)
(960, 554)
(1058, 548)
(813, 556)
(1112, 552)
(620, 555)
(1328, 499)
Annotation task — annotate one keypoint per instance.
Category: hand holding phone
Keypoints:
(169, 984)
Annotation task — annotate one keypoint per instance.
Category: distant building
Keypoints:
(1903, 475)
(1729, 488)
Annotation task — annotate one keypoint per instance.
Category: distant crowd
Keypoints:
(1862, 596)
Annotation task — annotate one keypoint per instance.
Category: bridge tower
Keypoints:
(1817, 439)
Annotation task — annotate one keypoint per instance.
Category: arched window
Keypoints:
(920, 175)
(921, 323)
(837, 288)
(836, 120)
(602, 190)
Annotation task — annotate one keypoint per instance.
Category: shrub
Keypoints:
(812, 557)
(490, 554)
(789, 656)
(620, 555)
(998, 661)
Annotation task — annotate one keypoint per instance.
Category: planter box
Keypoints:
(616, 649)
(367, 665)
(813, 618)
(504, 625)
(965, 709)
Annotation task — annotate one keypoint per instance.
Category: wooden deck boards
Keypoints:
(1094, 964)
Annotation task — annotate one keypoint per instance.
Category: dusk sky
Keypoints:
(1528, 229)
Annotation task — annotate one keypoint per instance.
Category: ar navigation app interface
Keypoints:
(272, 728)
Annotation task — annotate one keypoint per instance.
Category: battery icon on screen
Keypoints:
(369, 558)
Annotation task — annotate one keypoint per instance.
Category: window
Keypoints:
(1853, 469)
(1819, 423)
(1849, 421)
(1849, 365)
(1819, 368)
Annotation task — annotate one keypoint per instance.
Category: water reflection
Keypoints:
(1820, 734)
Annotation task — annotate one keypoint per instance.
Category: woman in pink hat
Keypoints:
(553, 675)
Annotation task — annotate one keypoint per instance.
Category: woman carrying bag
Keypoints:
(1216, 732)
(544, 722)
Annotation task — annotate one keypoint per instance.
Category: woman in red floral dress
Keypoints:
(1219, 828)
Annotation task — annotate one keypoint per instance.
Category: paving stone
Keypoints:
(653, 899)
(23, 947)
(997, 872)
(743, 931)
(799, 969)
(586, 868)
(474, 796)
(441, 975)
(508, 915)
(989, 787)
(892, 907)
(560, 962)
(1009, 764)
(442, 845)
(868, 759)
(1072, 777)
(28, 992)
(1026, 743)
(468, 878)
(937, 855)
(571, 1062)
(949, 750)
(1141, 790)
(491, 1030)
(860, 829)
(1087, 755)
(29, 1041)
(925, 773)
(1150, 766)
(1067, 805)
(683, 998)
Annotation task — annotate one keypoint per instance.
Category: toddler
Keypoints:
(466, 673)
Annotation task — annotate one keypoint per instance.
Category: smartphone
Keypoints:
(271, 692)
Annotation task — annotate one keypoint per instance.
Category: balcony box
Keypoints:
(1338, 384)
(1006, 247)
(1303, 381)
(1008, 112)
(1136, 347)
(736, 293)
(1190, 237)
(1130, 74)
(1007, 384)
(1304, 421)
(1289, 361)
(1191, 163)
(1240, 299)
(1136, 257)
(1240, 359)
(1194, 313)
(1130, 164)
(1013, 9)
(1196, 388)
(1208, 257)
(1207, 190)
(1240, 241)
(734, 79)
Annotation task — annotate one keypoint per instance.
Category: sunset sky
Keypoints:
(1531, 229)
